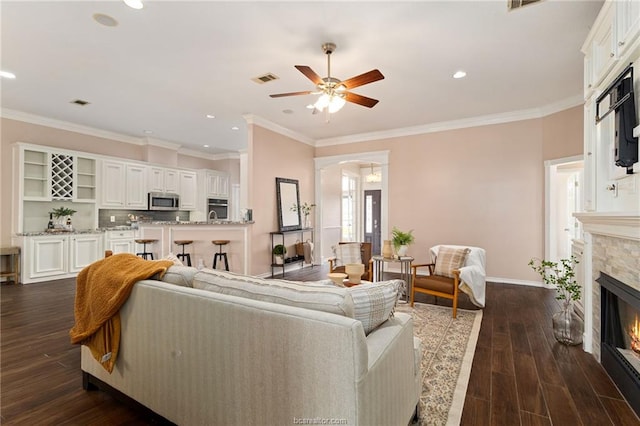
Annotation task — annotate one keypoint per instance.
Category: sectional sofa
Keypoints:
(215, 348)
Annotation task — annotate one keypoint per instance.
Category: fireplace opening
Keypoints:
(620, 336)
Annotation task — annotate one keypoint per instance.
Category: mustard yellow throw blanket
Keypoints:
(101, 289)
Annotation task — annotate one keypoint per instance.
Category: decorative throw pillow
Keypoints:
(348, 253)
(374, 303)
(172, 257)
(180, 275)
(448, 259)
(317, 295)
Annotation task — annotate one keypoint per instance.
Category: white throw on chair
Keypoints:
(453, 269)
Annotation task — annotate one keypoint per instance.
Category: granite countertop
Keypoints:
(59, 232)
(203, 222)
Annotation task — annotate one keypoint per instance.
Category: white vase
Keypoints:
(402, 250)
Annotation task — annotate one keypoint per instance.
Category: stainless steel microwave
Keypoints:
(163, 201)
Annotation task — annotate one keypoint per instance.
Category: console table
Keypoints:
(405, 270)
(277, 237)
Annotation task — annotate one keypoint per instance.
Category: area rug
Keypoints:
(448, 346)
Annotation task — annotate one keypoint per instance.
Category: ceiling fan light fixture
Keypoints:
(336, 104)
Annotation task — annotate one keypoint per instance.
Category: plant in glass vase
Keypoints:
(567, 325)
(305, 209)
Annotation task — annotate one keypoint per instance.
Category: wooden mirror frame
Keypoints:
(288, 195)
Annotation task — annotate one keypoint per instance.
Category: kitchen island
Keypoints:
(202, 233)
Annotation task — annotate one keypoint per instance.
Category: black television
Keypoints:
(626, 146)
(622, 100)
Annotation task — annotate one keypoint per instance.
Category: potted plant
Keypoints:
(305, 209)
(567, 325)
(279, 251)
(60, 213)
(401, 240)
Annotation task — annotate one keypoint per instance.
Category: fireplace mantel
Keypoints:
(613, 224)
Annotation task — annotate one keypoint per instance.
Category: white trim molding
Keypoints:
(613, 224)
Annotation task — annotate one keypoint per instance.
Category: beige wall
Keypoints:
(274, 155)
(478, 186)
(481, 186)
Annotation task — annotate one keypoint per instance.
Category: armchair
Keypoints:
(453, 269)
(346, 252)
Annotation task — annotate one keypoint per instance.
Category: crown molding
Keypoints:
(162, 143)
(269, 125)
(68, 126)
(442, 126)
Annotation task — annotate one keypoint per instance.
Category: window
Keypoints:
(349, 218)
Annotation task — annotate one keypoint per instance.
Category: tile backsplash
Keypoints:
(122, 218)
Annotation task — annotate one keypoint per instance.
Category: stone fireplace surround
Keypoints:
(611, 245)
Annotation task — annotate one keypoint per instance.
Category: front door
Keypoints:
(372, 228)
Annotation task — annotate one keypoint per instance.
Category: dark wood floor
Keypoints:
(520, 375)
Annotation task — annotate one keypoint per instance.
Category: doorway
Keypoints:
(564, 179)
(372, 215)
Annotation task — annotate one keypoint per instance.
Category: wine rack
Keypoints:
(61, 177)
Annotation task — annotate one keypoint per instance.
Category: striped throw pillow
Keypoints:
(448, 259)
(374, 303)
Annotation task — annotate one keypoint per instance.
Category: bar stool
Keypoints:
(221, 254)
(182, 256)
(144, 241)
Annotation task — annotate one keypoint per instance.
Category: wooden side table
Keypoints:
(14, 263)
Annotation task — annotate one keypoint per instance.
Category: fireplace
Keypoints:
(619, 336)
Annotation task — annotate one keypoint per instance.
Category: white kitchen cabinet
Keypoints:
(124, 185)
(113, 184)
(136, 183)
(46, 257)
(57, 176)
(119, 241)
(50, 257)
(84, 249)
(188, 190)
(163, 180)
(217, 184)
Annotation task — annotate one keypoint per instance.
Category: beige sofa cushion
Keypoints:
(317, 295)
(374, 303)
(179, 275)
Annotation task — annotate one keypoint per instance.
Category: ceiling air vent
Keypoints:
(80, 102)
(265, 78)
(517, 4)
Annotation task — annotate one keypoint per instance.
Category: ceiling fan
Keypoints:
(333, 92)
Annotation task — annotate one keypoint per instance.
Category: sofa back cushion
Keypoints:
(317, 295)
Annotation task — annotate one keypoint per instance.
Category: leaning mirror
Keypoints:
(288, 196)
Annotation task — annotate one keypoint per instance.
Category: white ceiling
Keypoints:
(163, 68)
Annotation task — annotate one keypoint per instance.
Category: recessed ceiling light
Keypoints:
(287, 111)
(7, 74)
(210, 116)
(134, 4)
(459, 74)
(235, 128)
(105, 20)
(205, 146)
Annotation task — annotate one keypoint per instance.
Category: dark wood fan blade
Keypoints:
(362, 79)
(279, 95)
(310, 74)
(360, 100)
